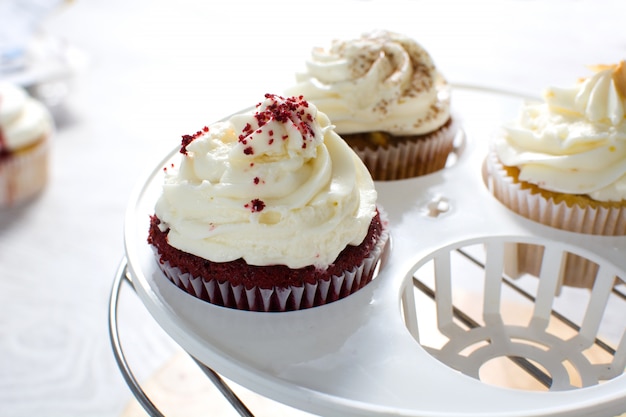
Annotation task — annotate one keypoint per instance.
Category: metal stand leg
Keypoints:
(121, 277)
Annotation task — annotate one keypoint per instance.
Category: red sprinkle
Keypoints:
(282, 110)
(256, 180)
(255, 205)
(248, 150)
(187, 139)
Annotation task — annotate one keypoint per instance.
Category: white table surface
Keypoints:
(159, 69)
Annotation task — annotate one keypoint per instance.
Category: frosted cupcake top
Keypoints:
(275, 185)
(23, 120)
(575, 141)
(381, 81)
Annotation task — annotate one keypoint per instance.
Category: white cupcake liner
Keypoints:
(280, 299)
(589, 220)
(577, 271)
(24, 174)
(410, 159)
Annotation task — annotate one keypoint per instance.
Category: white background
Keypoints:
(156, 70)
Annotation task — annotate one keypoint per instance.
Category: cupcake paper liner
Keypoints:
(604, 221)
(280, 299)
(577, 271)
(24, 174)
(410, 159)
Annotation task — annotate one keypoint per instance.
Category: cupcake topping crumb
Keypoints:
(376, 82)
(290, 119)
(255, 205)
(284, 110)
(187, 139)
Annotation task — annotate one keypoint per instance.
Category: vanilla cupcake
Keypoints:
(25, 131)
(387, 99)
(562, 163)
(268, 211)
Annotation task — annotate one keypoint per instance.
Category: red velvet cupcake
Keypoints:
(268, 211)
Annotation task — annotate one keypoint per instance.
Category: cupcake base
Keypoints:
(247, 287)
(576, 271)
(390, 157)
(574, 213)
(24, 173)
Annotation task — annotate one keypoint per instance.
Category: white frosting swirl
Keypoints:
(382, 81)
(574, 142)
(277, 186)
(23, 120)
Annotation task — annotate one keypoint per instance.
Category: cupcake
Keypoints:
(268, 211)
(386, 99)
(25, 131)
(562, 163)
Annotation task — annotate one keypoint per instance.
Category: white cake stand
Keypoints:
(365, 355)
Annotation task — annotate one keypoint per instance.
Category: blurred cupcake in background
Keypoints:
(562, 163)
(387, 100)
(25, 132)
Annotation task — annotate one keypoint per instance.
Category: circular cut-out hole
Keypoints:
(511, 372)
(465, 308)
(437, 206)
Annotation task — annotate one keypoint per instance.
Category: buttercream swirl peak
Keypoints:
(275, 185)
(381, 81)
(575, 141)
(618, 73)
(599, 98)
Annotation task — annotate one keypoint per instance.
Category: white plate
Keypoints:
(356, 356)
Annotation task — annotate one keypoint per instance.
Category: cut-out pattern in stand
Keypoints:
(507, 324)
